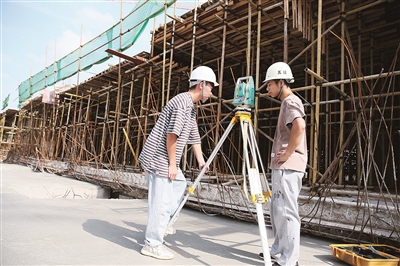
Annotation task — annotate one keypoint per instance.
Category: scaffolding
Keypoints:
(343, 55)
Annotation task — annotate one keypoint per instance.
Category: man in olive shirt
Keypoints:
(288, 165)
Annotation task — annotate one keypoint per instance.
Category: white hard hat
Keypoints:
(279, 70)
(202, 73)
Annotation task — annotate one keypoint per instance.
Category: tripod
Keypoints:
(257, 184)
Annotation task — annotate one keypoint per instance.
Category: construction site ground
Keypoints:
(47, 219)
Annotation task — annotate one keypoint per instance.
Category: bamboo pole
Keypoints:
(55, 103)
(79, 130)
(164, 56)
(257, 72)
(149, 88)
(44, 147)
(248, 50)
(285, 30)
(351, 80)
(192, 59)
(55, 107)
(103, 139)
(171, 54)
(328, 137)
(358, 172)
(370, 126)
(221, 79)
(2, 127)
(317, 97)
(31, 106)
(342, 74)
(312, 113)
(115, 139)
(60, 129)
(241, 150)
(95, 146)
(14, 128)
(127, 141)
(66, 129)
(74, 135)
(193, 40)
(86, 127)
(141, 115)
(127, 125)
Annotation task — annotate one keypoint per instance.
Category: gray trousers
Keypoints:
(285, 219)
(164, 198)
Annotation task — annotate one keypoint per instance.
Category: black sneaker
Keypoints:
(261, 255)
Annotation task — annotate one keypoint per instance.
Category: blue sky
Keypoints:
(34, 34)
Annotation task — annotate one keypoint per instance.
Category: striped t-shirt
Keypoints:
(179, 118)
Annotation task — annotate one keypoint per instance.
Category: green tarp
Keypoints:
(93, 52)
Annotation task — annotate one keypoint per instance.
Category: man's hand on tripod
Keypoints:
(201, 166)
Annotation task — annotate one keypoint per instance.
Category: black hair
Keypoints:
(284, 80)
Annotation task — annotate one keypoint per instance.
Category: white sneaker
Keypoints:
(158, 252)
(170, 231)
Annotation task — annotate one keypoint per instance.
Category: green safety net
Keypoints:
(119, 37)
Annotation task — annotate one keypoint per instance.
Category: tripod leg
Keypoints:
(257, 196)
(264, 181)
(258, 199)
(244, 129)
(202, 172)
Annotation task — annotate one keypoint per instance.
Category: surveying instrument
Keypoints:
(259, 189)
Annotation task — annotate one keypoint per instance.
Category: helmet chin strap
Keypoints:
(280, 92)
(204, 98)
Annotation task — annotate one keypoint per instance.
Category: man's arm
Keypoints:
(199, 155)
(296, 135)
(172, 141)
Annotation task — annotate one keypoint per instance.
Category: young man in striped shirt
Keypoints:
(161, 156)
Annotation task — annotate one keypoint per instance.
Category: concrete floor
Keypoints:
(47, 219)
